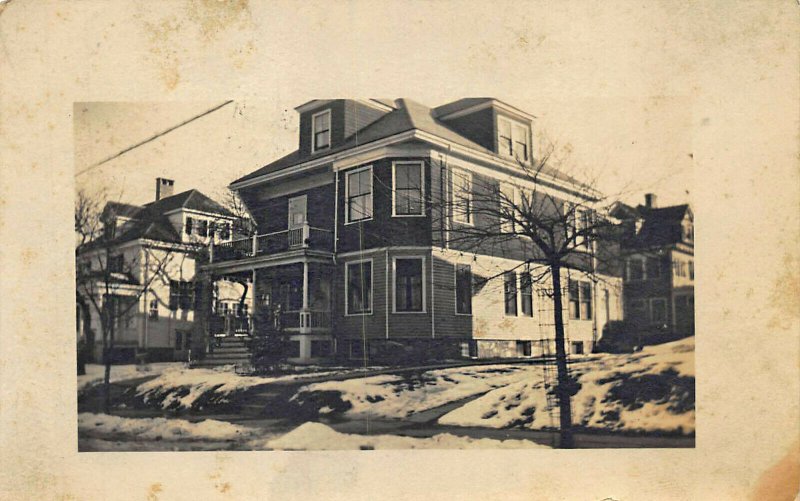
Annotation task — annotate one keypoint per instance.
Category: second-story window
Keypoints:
(188, 227)
(462, 196)
(202, 228)
(359, 194)
(116, 264)
(321, 126)
(513, 139)
(408, 189)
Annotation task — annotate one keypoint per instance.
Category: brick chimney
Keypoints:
(650, 200)
(164, 188)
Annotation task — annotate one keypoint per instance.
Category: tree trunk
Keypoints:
(563, 389)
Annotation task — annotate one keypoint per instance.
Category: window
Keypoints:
(513, 139)
(181, 295)
(359, 194)
(212, 229)
(463, 289)
(462, 196)
(586, 300)
(580, 300)
(577, 347)
(241, 309)
(188, 227)
(691, 270)
(116, 264)
(524, 348)
(584, 226)
(359, 287)
(635, 269)
(574, 300)
(658, 310)
(409, 285)
(526, 294)
(222, 308)
(321, 126)
(202, 228)
(653, 267)
(408, 189)
(510, 293)
(153, 311)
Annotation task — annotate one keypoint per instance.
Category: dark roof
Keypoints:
(408, 115)
(192, 200)
(461, 104)
(659, 226)
(150, 220)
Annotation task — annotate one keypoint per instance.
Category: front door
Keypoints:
(297, 212)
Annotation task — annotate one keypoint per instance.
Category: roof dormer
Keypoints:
(493, 124)
(327, 123)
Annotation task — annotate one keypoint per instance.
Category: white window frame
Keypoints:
(508, 190)
(394, 285)
(513, 126)
(422, 187)
(314, 148)
(455, 289)
(347, 175)
(347, 288)
(456, 213)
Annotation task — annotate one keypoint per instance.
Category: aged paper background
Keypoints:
(733, 65)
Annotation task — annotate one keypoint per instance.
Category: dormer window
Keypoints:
(321, 130)
(513, 139)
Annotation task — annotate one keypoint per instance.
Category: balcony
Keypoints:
(303, 237)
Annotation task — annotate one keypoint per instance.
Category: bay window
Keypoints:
(358, 196)
(409, 285)
(408, 188)
(358, 281)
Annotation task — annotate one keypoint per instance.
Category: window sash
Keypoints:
(408, 279)
(510, 293)
(359, 288)
(526, 294)
(321, 128)
(462, 197)
(359, 195)
(188, 227)
(464, 289)
(408, 194)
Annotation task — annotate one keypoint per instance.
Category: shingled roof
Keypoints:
(659, 226)
(408, 115)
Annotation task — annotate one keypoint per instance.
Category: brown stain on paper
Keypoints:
(782, 480)
(152, 492)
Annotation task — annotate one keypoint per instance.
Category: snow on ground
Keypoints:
(104, 425)
(652, 390)
(96, 372)
(317, 436)
(181, 388)
(398, 396)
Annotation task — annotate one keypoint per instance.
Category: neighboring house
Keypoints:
(145, 270)
(354, 248)
(658, 247)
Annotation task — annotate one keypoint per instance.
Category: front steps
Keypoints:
(230, 350)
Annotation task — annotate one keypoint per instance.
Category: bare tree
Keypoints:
(553, 222)
(106, 282)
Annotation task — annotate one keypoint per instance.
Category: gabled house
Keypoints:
(142, 268)
(658, 247)
(354, 248)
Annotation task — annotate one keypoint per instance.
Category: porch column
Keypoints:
(305, 324)
(253, 303)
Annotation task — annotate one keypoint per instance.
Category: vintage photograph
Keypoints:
(382, 273)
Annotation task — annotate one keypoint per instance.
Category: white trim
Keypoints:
(455, 289)
(463, 173)
(375, 104)
(452, 147)
(347, 287)
(399, 151)
(415, 248)
(314, 103)
(314, 148)
(422, 187)
(202, 213)
(512, 124)
(488, 104)
(394, 285)
(347, 174)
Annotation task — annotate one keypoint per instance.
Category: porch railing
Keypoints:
(303, 237)
(229, 324)
(305, 320)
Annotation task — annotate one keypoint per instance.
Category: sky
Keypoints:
(631, 146)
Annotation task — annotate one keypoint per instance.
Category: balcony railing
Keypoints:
(303, 237)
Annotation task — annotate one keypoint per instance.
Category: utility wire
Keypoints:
(154, 137)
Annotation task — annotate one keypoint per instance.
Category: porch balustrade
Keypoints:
(229, 324)
(302, 237)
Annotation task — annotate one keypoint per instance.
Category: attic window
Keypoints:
(321, 127)
(513, 139)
